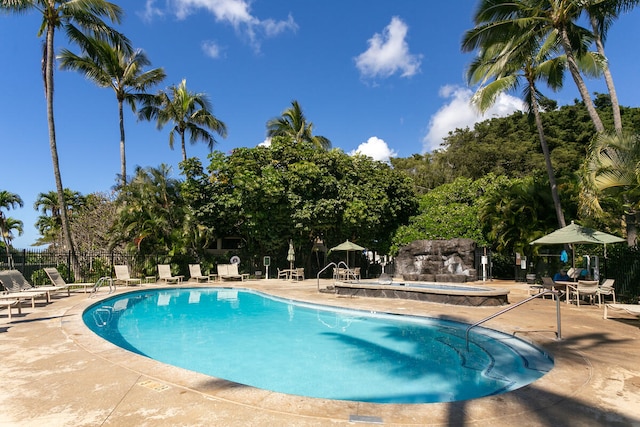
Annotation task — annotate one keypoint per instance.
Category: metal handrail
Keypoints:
(511, 307)
(101, 281)
(323, 269)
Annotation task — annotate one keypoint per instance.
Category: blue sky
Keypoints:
(385, 78)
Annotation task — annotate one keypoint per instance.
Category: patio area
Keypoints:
(56, 372)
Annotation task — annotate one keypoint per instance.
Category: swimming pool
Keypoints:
(313, 350)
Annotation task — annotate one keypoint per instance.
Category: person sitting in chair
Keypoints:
(561, 276)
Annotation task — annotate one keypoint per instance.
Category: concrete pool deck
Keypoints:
(55, 372)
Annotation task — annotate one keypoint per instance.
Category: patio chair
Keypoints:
(123, 277)
(283, 274)
(583, 288)
(164, 274)
(57, 280)
(195, 273)
(14, 282)
(297, 274)
(606, 289)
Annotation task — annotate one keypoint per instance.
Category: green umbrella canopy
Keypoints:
(347, 247)
(574, 233)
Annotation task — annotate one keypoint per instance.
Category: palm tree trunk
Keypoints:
(184, 148)
(123, 158)
(48, 84)
(608, 78)
(547, 160)
(577, 78)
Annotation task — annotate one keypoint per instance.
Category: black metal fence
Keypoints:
(93, 265)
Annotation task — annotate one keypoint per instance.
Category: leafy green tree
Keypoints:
(449, 211)
(291, 190)
(8, 201)
(190, 112)
(293, 124)
(70, 16)
(116, 67)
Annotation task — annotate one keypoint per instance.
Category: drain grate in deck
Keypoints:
(364, 419)
(154, 385)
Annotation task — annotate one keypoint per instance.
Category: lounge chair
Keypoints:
(57, 280)
(14, 282)
(164, 274)
(230, 272)
(195, 273)
(582, 288)
(633, 309)
(123, 277)
(10, 303)
(606, 289)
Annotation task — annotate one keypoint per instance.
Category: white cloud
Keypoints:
(375, 148)
(238, 14)
(458, 113)
(150, 11)
(266, 142)
(388, 53)
(211, 49)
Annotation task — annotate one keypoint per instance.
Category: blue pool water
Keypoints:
(311, 350)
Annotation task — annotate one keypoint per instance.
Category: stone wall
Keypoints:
(437, 261)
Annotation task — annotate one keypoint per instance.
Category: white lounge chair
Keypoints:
(57, 280)
(633, 309)
(13, 281)
(164, 274)
(195, 273)
(123, 276)
(230, 272)
(297, 274)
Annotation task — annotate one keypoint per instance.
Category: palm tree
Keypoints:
(49, 224)
(292, 123)
(115, 67)
(8, 201)
(611, 168)
(507, 64)
(190, 112)
(68, 15)
(601, 16)
(501, 20)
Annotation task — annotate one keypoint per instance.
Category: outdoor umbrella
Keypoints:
(574, 233)
(347, 247)
(291, 255)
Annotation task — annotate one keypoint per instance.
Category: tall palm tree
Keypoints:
(115, 67)
(501, 20)
(611, 168)
(601, 14)
(67, 15)
(292, 123)
(189, 111)
(8, 201)
(505, 65)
